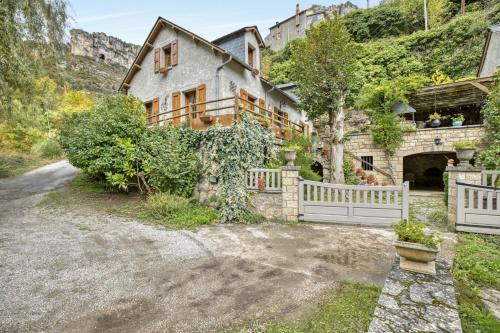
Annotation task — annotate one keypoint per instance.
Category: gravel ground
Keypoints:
(80, 271)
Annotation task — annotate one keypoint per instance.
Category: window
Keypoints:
(189, 102)
(253, 101)
(167, 55)
(251, 52)
(149, 111)
(367, 163)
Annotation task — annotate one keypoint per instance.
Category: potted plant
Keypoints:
(359, 172)
(261, 183)
(417, 250)
(370, 179)
(435, 119)
(457, 120)
(465, 151)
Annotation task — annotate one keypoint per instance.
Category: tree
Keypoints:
(324, 74)
(31, 36)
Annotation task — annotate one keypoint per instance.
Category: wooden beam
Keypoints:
(480, 87)
(148, 44)
(137, 66)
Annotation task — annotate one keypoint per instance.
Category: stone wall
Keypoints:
(102, 47)
(267, 204)
(419, 141)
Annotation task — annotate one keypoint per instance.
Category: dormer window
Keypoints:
(251, 56)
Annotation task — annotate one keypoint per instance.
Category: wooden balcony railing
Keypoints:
(225, 111)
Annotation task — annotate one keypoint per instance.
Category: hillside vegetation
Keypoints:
(390, 49)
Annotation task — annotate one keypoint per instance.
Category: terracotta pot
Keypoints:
(464, 155)
(416, 252)
(290, 156)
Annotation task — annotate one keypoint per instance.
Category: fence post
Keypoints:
(460, 202)
(405, 200)
(290, 192)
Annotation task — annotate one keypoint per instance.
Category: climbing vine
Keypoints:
(489, 157)
(227, 153)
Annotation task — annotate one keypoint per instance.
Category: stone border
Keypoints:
(413, 302)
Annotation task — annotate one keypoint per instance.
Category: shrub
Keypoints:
(102, 142)
(410, 231)
(18, 137)
(176, 167)
(445, 182)
(164, 205)
(48, 148)
(194, 216)
(465, 145)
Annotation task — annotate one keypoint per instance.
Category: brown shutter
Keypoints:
(156, 110)
(157, 60)
(201, 97)
(285, 115)
(262, 107)
(244, 97)
(176, 108)
(174, 53)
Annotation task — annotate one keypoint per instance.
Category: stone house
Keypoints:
(296, 26)
(187, 80)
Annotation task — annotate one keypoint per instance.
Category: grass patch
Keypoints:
(15, 163)
(476, 266)
(346, 308)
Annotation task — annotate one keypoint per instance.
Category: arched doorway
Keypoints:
(318, 168)
(425, 170)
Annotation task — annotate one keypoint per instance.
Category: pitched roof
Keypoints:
(239, 31)
(494, 28)
(148, 44)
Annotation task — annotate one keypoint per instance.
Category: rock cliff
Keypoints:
(102, 47)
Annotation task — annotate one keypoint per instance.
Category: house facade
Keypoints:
(296, 26)
(185, 79)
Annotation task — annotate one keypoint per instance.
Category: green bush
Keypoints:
(195, 216)
(445, 183)
(164, 205)
(48, 148)
(18, 137)
(176, 167)
(410, 231)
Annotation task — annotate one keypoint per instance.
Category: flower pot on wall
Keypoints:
(457, 123)
(417, 257)
(464, 155)
(435, 122)
(290, 156)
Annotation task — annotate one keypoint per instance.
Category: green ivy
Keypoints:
(227, 153)
(489, 157)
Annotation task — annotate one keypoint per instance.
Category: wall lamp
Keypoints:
(438, 141)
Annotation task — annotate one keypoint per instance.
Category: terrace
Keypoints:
(225, 111)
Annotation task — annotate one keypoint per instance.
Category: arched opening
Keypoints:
(424, 171)
(102, 56)
(318, 168)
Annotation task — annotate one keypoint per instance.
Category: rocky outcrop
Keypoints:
(101, 47)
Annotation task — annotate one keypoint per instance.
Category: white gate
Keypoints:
(478, 208)
(356, 204)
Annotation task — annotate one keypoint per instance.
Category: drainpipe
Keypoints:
(217, 79)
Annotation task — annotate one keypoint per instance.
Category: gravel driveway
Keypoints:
(80, 271)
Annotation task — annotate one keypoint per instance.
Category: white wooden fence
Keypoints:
(271, 179)
(357, 204)
(478, 209)
(489, 177)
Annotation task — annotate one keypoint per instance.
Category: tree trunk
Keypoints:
(337, 145)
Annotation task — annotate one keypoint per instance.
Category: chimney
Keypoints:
(297, 16)
(297, 9)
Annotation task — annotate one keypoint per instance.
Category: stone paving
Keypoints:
(413, 302)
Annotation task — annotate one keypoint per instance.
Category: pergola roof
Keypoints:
(451, 95)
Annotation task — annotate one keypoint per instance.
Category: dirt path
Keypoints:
(87, 272)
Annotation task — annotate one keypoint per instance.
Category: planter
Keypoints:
(457, 123)
(464, 155)
(290, 156)
(416, 257)
(435, 122)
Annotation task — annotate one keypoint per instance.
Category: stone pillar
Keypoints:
(465, 173)
(290, 192)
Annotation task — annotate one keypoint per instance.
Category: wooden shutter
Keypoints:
(176, 106)
(156, 110)
(157, 60)
(244, 97)
(285, 115)
(262, 107)
(174, 53)
(201, 97)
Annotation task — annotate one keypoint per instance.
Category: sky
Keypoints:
(131, 21)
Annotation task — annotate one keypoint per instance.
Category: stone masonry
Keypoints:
(290, 192)
(465, 173)
(413, 302)
(419, 141)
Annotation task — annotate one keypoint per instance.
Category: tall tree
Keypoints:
(31, 36)
(324, 67)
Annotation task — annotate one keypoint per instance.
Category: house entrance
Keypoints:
(425, 171)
